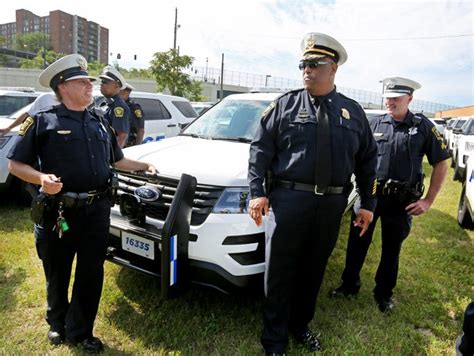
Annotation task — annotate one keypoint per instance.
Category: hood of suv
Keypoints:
(213, 162)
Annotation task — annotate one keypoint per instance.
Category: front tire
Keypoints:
(464, 217)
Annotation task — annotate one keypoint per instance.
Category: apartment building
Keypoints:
(68, 33)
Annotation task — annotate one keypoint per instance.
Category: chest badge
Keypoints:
(412, 131)
(303, 115)
(345, 114)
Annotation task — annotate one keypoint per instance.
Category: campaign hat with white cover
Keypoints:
(317, 45)
(70, 67)
(398, 86)
(113, 74)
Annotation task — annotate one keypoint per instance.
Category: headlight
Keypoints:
(4, 140)
(469, 146)
(233, 201)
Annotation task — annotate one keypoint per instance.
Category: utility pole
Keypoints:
(222, 79)
(176, 26)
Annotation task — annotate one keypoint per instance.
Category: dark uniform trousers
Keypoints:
(396, 225)
(301, 231)
(87, 238)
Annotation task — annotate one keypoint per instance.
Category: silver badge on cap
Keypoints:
(82, 63)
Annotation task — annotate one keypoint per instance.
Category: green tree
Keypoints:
(95, 67)
(38, 61)
(3, 58)
(194, 91)
(167, 68)
(32, 42)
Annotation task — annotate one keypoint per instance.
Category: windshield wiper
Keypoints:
(238, 139)
(196, 136)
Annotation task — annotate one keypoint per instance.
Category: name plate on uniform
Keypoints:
(138, 245)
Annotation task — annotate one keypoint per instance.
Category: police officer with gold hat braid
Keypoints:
(311, 140)
(118, 112)
(74, 151)
(403, 138)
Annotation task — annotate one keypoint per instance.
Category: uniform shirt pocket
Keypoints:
(382, 143)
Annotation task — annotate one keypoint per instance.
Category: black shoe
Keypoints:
(309, 340)
(385, 304)
(343, 292)
(275, 353)
(91, 345)
(56, 337)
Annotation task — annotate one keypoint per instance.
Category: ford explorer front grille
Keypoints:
(204, 199)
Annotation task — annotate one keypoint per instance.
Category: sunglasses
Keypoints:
(311, 64)
(105, 81)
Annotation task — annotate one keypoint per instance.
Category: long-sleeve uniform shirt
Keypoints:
(285, 144)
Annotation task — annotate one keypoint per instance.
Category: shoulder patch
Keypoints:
(439, 138)
(138, 113)
(26, 125)
(118, 112)
(269, 109)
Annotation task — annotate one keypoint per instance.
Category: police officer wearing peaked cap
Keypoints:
(137, 117)
(402, 140)
(74, 151)
(118, 112)
(311, 140)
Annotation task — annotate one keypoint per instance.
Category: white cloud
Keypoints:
(264, 37)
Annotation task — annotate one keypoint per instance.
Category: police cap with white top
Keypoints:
(319, 45)
(129, 86)
(70, 67)
(398, 86)
(110, 73)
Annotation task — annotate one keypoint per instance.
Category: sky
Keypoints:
(431, 42)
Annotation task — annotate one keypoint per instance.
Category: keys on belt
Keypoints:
(308, 187)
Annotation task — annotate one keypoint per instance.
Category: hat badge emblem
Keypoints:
(310, 43)
(82, 63)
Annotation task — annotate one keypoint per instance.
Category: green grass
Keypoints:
(436, 282)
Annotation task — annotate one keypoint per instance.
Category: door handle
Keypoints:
(171, 126)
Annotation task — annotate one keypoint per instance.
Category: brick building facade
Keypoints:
(68, 33)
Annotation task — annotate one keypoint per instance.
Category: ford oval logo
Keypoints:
(147, 193)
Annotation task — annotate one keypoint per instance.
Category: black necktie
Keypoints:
(323, 148)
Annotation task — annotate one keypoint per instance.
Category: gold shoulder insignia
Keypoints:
(138, 113)
(438, 137)
(345, 114)
(26, 125)
(269, 109)
(118, 112)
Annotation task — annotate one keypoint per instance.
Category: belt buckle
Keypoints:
(90, 199)
(316, 190)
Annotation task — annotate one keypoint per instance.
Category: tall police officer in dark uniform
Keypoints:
(118, 112)
(402, 139)
(311, 140)
(137, 117)
(74, 151)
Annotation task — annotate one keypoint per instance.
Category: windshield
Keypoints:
(229, 120)
(459, 124)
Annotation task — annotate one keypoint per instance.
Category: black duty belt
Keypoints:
(308, 187)
(76, 200)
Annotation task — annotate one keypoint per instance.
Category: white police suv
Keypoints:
(225, 248)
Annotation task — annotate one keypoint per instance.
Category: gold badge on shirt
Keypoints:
(118, 112)
(26, 125)
(345, 114)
